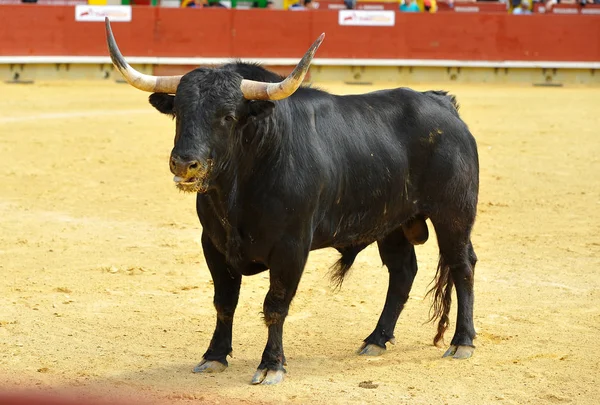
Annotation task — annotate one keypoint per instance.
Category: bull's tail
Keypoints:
(341, 268)
(442, 299)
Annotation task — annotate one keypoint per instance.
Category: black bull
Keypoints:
(275, 180)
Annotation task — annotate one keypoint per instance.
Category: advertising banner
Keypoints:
(97, 13)
(382, 18)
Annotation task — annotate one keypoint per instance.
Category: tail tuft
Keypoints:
(341, 268)
(442, 299)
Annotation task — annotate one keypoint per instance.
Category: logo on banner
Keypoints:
(97, 13)
(383, 18)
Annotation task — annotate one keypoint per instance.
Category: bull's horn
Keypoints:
(253, 90)
(158, 84)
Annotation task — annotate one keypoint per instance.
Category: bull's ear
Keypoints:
(162, 102)
(260, 108)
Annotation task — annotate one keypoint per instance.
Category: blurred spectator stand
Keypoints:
(45, 2)
(360, 4)
(303, 5)
(410, 6)
(523, 8)
(590, 8)
(566, 7)
(467, 6)
(97, 2)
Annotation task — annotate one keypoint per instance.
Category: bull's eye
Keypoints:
(229, 118)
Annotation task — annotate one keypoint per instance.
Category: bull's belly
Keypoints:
(338, 227)
(351, 230)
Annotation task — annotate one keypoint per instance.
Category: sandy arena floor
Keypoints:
(105, 291)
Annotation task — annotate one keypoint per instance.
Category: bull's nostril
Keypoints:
(194, 166)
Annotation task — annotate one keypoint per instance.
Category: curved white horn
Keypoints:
(158, 84)
(254, 90)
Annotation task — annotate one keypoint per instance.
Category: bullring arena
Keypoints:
(106, 293)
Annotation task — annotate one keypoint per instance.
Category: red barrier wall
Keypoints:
(52, 30)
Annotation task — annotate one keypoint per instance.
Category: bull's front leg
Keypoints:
(286, 267)
(227, 290)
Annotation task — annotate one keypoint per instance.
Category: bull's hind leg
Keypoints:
(456, 268)
(227, 290)
(398, 254)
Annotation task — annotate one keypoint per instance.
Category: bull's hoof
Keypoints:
(268, 377)
(210, 366)
(459, 352)
(370, 350)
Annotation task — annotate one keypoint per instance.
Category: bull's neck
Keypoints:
(244, 170)
(256, 150)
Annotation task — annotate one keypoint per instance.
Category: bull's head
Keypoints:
(210, 106)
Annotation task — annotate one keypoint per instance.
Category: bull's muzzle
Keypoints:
(184, 168)
(190, 175)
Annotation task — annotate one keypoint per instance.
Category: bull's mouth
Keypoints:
(191, 185)
(195, 184)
